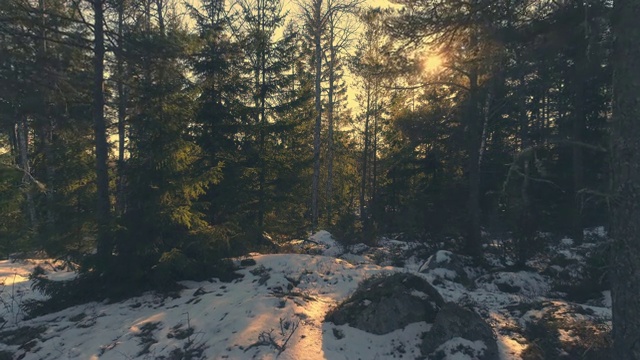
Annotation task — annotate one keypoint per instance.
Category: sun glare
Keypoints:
(432, 63)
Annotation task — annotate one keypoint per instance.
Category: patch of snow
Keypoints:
(419, 294)
(444, 273)
(598, 231)
(358, 344)
(509, 348)
(568, 254)
(607, 298)
(331, 246)
(526, 283)
(566, 242)
(462, 349)
(442, 256)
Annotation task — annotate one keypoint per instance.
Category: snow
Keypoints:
(566, 242)
(527, 283)
(607, 298)
(276, 310)
(331, 246)
(443, 256)
(473, 349)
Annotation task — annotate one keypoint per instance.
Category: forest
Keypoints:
(149, 141)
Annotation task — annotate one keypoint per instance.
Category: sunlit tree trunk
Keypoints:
(122, 110)
(365, 158)
(317, 40)
(330, 117)
(103, 212)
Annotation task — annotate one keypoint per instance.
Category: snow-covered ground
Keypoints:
(276, 310)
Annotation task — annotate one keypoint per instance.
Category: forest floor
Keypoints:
(277, 309)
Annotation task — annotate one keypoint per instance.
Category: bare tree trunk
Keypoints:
(578, 125)
(46, 128)
(525, 222)
(122, 112)
(317, 39)
(474, 240)
(22, 131)
(262, 123)
(625, 143)
(374, 150)
(103, 212)
(365, 160)
(330, 109)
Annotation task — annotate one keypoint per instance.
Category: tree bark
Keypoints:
(625, 144)
(474, 239)
(103, 212)
(578, 125)
(122, 112)
(262, 123)
(46, 127)
(317, 39)
(22, 131)
(365, 160)
(330, 110)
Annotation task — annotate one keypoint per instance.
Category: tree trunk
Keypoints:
(474, 240)
(525, 222)
(22, 131)
(625, 143)
(330, 109)
(46, 128)
(262, 123)
(317, 39)
(100, 131)
(578, 125)
(365, 159)
(374, 150)
(122, 113)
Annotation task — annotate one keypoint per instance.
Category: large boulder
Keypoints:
(381, 305)
(458, 330)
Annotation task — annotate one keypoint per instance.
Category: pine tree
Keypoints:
(167, 172)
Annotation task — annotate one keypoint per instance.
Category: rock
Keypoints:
(446, 265)
(459, 330)
(384, 304)
(247, 262)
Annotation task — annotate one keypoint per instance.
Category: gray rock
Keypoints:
(456, 322)
(384, 304)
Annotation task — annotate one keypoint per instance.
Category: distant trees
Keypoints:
(322, 20)
(246, 122)
(513, 72)
(44, 112)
